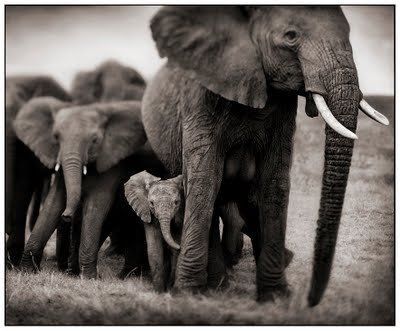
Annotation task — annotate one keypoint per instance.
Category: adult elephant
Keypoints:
(223, 110)
(24, 174)
(93, 140)
(110, 81)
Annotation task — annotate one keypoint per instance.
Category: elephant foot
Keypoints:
(72, 271)
(232, 259)
(87, 273)
(269, 294)
(14, 254)
(9, 264)
(63, 267)
(30, 263)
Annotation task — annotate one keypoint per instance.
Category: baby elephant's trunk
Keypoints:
(165, 225)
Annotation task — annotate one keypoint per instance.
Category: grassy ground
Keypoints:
(361, 289)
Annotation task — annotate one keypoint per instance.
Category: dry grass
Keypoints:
(361, 290)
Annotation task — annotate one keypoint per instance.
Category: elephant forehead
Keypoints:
(164, 190)
(329, 19)
(77, 114)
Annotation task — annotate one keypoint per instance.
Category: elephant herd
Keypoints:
(210, 138)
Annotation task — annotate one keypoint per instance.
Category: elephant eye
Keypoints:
(176, 202)
(56, 136)
(291, 36)
(151, 203)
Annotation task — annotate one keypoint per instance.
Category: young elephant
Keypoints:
(92, 140)
(109, 81)
(160, 204)
(24, 173)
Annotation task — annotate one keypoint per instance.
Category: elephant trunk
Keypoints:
(342, 101)
(165, 226)
(330, 77)
(72, 170)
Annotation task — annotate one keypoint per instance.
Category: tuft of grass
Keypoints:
(360, 291)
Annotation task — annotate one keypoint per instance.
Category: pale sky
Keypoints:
(63, 40)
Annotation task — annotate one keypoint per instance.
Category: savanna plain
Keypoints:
(361, 289)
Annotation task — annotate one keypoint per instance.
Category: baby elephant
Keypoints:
(160, 204)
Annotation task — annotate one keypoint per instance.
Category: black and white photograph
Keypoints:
(199, 164)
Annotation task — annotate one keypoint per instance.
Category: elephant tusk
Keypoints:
(330, 119)
(57, 167)
(372, 113)
(84, 170)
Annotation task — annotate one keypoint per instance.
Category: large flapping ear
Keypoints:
(124, 133)
(34, 124)
(212, 43)
(37, 86)
(47, 86)
(136, 193)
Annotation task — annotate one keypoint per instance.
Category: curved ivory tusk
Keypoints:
(84, 170)
(372, 113)
(57, 167)
(330, 119)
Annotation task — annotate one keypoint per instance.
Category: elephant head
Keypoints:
(70, 137)
(149, 195)
(110, 81)
(245, 54)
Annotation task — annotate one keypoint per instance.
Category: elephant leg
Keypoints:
(45, 225)
(254, 233)
(16, 239)
(174, 262)
(252, 229)
(73, 258)
(96, 206)
(134, 242)
(27, 180)
(203, 169)
(216, 268)
(232, 237)
(155, 253)
(34, 211)
(10, 175)
(275, 187)
(272, 260)
(63, 244)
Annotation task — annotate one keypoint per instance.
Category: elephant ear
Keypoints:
(47, 86)
(212, 44)
(87, 87)
(178, 180)
(136, 193)
(34, 124)
(124, 133)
